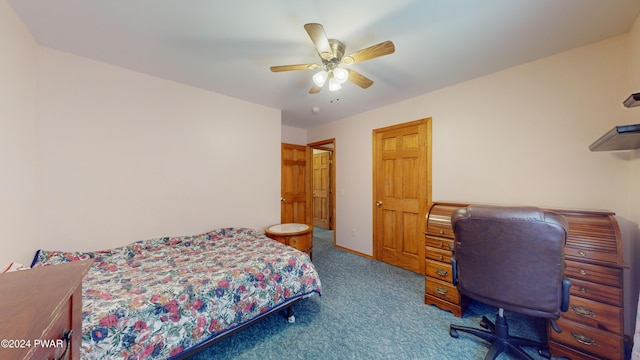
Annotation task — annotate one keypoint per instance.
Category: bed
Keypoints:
(170, 297)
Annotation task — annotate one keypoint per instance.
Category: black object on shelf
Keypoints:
(625, 137)
(632, 100)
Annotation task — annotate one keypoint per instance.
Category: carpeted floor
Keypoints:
(368, 310)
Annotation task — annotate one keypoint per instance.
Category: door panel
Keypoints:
(402, 191)
(295, 185)
(322, 189)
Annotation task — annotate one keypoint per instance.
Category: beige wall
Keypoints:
(123, 156)
(292, 135)
(94, 156)
(17, 139)
(518, 136)
(634, 170)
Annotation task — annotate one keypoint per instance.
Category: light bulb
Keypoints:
(340, 74)
(334, 85)
(320, 78)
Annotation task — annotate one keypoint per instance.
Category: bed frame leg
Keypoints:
(290, 317)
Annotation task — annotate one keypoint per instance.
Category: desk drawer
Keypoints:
(443, 290)
(438, 254)
(594, 273)
(438, 270)
(601, 343)
(439, 243)
(607, 294)
(594, 314)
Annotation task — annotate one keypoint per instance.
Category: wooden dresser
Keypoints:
(38, 308)
(593, 327)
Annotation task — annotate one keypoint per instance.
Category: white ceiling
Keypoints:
(228, 46)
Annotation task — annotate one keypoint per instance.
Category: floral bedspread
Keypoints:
(156, 298)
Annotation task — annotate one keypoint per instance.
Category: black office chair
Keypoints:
(511, 258)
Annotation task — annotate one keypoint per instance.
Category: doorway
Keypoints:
(323, 177)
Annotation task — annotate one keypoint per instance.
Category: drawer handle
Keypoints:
(441, 291)
(441, 257)
(583, 339)
(66, 336)
(583, 311)
(583, 290)
(441, 231)
(441, 272)
(582, 253)
(582, 272)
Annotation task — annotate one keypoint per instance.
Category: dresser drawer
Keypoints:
(443, 290)
(594, 273)
(595, 314)
(607, 294)
(439, 243)
(601, 343)
(438, 254)
(52, 345)
(438, 270)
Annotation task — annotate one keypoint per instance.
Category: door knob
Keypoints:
(378, 203)
(282, 199)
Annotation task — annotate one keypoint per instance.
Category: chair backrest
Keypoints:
(511, 257)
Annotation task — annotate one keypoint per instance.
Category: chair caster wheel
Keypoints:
(545, 353)
(291, 319)
(453, 333)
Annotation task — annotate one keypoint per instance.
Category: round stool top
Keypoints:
(287, 228)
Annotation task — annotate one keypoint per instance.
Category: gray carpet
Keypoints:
(368, 310)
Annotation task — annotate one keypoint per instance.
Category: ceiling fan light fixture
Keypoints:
(320, 78)
(332, 55)
(334, 85)
(341, 75)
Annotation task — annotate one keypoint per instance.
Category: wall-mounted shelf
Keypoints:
(624, 137)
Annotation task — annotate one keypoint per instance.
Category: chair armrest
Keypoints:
(566, 285)
(454, 271)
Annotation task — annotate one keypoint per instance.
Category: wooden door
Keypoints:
(401, 193)
(321, 189)
(295, 184)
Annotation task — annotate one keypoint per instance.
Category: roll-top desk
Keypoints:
(593, 327)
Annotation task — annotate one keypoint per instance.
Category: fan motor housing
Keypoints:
(337, 47)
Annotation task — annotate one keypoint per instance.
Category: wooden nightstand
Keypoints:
(294, 235)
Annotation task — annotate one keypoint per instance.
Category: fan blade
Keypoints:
(315, 89)
(319, 38)
(372, 52)
(359, 79)
(294, 67)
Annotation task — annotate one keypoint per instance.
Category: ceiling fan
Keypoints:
(332, 55)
